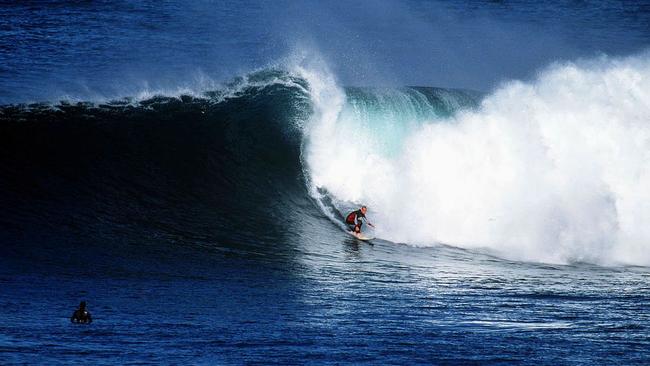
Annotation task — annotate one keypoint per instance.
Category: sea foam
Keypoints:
(552, 170)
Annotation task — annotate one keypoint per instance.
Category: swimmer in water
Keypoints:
(81, 315)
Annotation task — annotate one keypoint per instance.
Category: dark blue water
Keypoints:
(154, 162)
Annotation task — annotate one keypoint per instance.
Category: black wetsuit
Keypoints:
(354, 218)
(81, 316)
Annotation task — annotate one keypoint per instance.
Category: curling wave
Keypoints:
(552, 170)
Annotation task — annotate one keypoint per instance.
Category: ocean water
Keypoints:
(184, 168)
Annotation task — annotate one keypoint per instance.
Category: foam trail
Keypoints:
(555, 170)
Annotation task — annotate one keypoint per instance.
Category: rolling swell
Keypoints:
(229, 171)
(218, 171)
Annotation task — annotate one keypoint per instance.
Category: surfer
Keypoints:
(354, 220)
(81, 315)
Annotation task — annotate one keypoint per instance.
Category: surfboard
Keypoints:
(360, 237)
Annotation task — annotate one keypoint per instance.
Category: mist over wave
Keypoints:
(551, 170)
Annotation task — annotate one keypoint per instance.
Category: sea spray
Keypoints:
(553, 170)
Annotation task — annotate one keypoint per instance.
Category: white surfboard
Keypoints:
(360, 236)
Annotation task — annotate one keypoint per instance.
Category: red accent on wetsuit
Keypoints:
(353, 217)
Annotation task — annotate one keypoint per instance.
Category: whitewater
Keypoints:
(554, 169)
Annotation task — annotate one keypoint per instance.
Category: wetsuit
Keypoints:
(354, 218)
(81, 316)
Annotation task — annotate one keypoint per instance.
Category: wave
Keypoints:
(215, 169)
(551, 170)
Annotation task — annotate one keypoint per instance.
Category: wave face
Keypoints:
(216, 170)
(552, 170)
